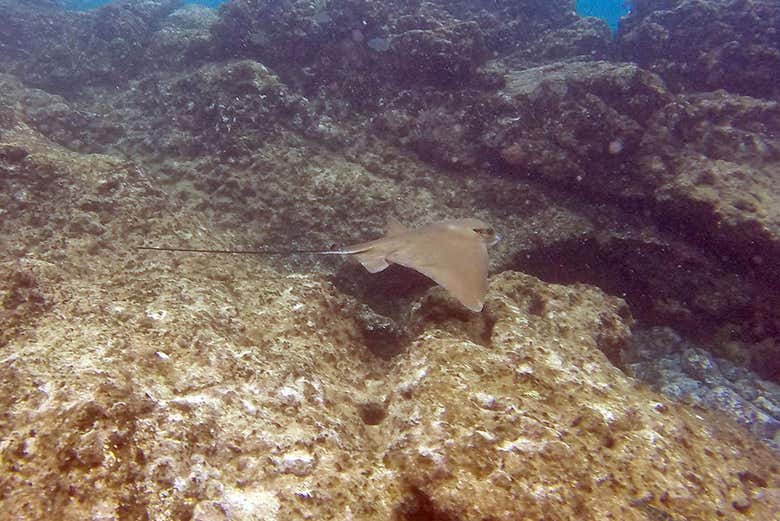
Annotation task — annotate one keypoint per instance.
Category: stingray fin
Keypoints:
(394, 227)
(373, 261)
(459, 265)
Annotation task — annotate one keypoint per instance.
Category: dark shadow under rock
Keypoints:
(665, 282)
(383, 336)
(398, 304)
(388, 292)
(417, 506)
(439, 310)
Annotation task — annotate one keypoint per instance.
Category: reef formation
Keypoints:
(626, 363)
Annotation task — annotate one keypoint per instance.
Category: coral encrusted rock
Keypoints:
(161, 386)
(698, 45)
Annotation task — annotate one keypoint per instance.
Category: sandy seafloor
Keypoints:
(625, 365)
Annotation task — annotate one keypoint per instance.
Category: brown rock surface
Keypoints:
(576, 123)
(192, 387)
(703, 45)
(711, 160)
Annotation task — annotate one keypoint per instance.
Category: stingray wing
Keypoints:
(372, 254)
(456, 262)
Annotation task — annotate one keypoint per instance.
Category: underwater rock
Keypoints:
(586, 38)
(183, 39)
(32, 26)
(693, 374)
(437, 44)
(438, 135)
(164, 386)
(570, 123)
(58, 119)
(709, 163)
(510, 25)
(702, 46)
(446, 57)
(576, 124)
(22, 302)
(64, 51)
(283, 410)
(301, 42)
(227, 110)
(701, 165)
(129, 21)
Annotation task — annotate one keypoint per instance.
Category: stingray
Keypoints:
(453, 253)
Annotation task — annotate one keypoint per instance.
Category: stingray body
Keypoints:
(452, 252)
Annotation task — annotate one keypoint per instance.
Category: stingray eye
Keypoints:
(484, 231)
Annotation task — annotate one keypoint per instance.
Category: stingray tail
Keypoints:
(242, 252)
(363, 252)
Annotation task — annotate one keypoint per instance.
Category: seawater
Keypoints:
(608, 10)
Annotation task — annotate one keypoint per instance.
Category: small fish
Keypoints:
(379, 44)
(321, 17)
(452, 252)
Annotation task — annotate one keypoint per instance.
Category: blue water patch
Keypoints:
(608, 10)
(85, 5)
